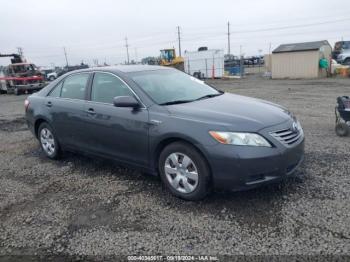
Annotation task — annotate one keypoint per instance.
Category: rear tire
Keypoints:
(342, 129)
(51, 78)
(48, 141)
(184, 171)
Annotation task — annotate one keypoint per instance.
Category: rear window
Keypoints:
(74, 86)
(56, 92)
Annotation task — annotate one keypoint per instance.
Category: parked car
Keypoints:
(344, 58)
(168, 123)
(339, 48)
(51, 76)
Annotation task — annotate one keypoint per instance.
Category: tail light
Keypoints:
(26, 104)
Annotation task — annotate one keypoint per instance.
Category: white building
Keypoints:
(205, 64)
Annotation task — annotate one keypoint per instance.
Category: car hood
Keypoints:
(345, 53)
(235, 112)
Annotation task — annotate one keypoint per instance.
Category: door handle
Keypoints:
(91, 111)
(49, 104)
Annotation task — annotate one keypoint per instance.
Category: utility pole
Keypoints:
(228, 39)
(179, 39)
(65, 55)
(136, 58)
(20, 51)
(127, 50)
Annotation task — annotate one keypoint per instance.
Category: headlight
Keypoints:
(239, 139)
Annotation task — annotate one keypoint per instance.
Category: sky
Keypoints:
(92, 30)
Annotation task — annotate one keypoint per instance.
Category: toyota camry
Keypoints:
(170, 124)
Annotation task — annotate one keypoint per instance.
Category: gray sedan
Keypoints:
(170, 124)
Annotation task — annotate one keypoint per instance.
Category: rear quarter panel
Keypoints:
(36, 111)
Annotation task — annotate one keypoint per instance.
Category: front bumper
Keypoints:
(35, 86)
(246, 167)
(340, 60)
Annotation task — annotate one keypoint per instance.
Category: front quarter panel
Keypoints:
(164, 126)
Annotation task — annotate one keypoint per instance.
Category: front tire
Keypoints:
(342, 129)
(184, 171)
(48, 141)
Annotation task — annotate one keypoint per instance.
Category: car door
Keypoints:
(65, 104)
(117, 132)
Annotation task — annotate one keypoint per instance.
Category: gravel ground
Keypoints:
(80, 206)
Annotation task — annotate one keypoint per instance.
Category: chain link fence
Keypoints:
(218, 67)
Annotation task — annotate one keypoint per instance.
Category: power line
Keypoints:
(272, 22)
(292, 26)
(206, 35)
(221, 37)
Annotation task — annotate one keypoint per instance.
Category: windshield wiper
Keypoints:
(209, 96)
(176, 102)
(190, 100)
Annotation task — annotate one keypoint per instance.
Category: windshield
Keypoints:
(23, 68)
(342, 45)
(166, 86)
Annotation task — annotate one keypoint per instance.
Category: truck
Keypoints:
(20, 76)
(344, 58)
(204, 63)
(169, 58)
(341, 52)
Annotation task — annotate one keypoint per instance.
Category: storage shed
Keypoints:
(300, 60)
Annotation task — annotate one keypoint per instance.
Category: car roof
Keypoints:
(124, 68)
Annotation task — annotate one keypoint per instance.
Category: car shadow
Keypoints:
(255, 208)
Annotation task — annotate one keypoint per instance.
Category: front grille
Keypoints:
(288, 136)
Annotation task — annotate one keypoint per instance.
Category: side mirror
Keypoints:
(126, 101)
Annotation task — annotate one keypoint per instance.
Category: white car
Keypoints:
(344, 58)
(51, 76)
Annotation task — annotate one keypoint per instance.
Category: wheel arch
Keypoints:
(37, 124)
(172, 139)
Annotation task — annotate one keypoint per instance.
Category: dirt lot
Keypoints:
(79, 206)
